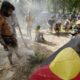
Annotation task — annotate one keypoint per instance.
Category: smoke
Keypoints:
(38, 8)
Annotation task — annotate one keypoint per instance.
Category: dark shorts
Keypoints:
(10, 41)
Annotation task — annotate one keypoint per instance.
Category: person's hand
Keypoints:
(14, 39)
(5, 47)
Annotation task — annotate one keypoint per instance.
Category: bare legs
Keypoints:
(11, 50)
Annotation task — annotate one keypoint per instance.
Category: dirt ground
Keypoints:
(53, 43)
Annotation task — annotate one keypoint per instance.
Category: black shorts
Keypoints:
(10, 41)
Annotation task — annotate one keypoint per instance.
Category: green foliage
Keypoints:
(36, 59)
(66, 5)
(71, 5)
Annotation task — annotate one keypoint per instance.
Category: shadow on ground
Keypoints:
(63, 34)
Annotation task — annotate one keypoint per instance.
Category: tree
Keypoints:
(65, 5)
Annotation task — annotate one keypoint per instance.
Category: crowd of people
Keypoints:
(67, 23)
